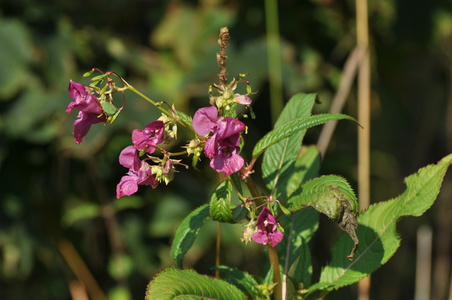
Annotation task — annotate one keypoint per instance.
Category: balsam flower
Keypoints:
(267, 229)
(149, 137)
(223, 146)
(242, 100)
(91, 111)
(139, 173)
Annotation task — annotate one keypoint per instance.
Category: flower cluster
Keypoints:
(140, 172)
(218, 135)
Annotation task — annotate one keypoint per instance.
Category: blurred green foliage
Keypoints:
(54, 191)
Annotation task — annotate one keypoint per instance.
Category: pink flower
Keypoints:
(243, 100)
(223, 146)
(267, 229)
(90, 109)
(139, 173)
(85, 100)
(83, 124)
(149, 137)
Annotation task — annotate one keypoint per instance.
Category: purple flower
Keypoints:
(149, 137)
(139, 173)
(267, 229)
(83, 124)
(90, 109)
(223, 146)
(85, 100)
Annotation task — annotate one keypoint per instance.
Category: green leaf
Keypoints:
(292, 127)
(187, 120)
(220, 203)
(187, 232)
(301, 227)
(377, 229)
(302, 273)
(332, 196)
(305, 167)
(239, 278)
(173, 283)
(89, 73)
(109, 108)
(279, 158)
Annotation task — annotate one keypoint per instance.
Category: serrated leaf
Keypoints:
(332, 196)
(301, 226)
(173, 283)
(187, 120)
(187, 232)
(302, 273)
(239, 278)
(292, 127)
(377, 229)
(220, 203)
(279, 158)
(305, 167)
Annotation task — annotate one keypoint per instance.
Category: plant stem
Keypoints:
(362, 37)
(272, 253)
(129, 87)
(274, 261)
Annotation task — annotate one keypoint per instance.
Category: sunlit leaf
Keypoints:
(187, 232)
(173, 283)
(379, 239)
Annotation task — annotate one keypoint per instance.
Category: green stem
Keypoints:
(169, 114)
(129, 87)
(274, 261)
(272, 253)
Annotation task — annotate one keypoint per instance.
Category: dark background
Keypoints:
(58, 210)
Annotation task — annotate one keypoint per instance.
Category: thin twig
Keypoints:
(362, 36)
(348, 75)
(80, 270)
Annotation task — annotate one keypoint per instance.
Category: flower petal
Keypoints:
(275, 238)
(149, 137)
(83, 124)
(127, 186)
(243, 100)
(260, 238)
(128, 157)
(204, 120)
(228, 127)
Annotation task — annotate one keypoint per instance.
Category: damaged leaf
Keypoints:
(332, 196)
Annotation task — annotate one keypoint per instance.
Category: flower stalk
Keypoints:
(272, 253)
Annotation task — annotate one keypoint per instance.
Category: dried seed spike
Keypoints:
(223, 42)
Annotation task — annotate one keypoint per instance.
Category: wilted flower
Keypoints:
(223, 146)
(149, 137)
(164, 172)
(250, 229)
(139, 173)
(267, 229)
(90, 109)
